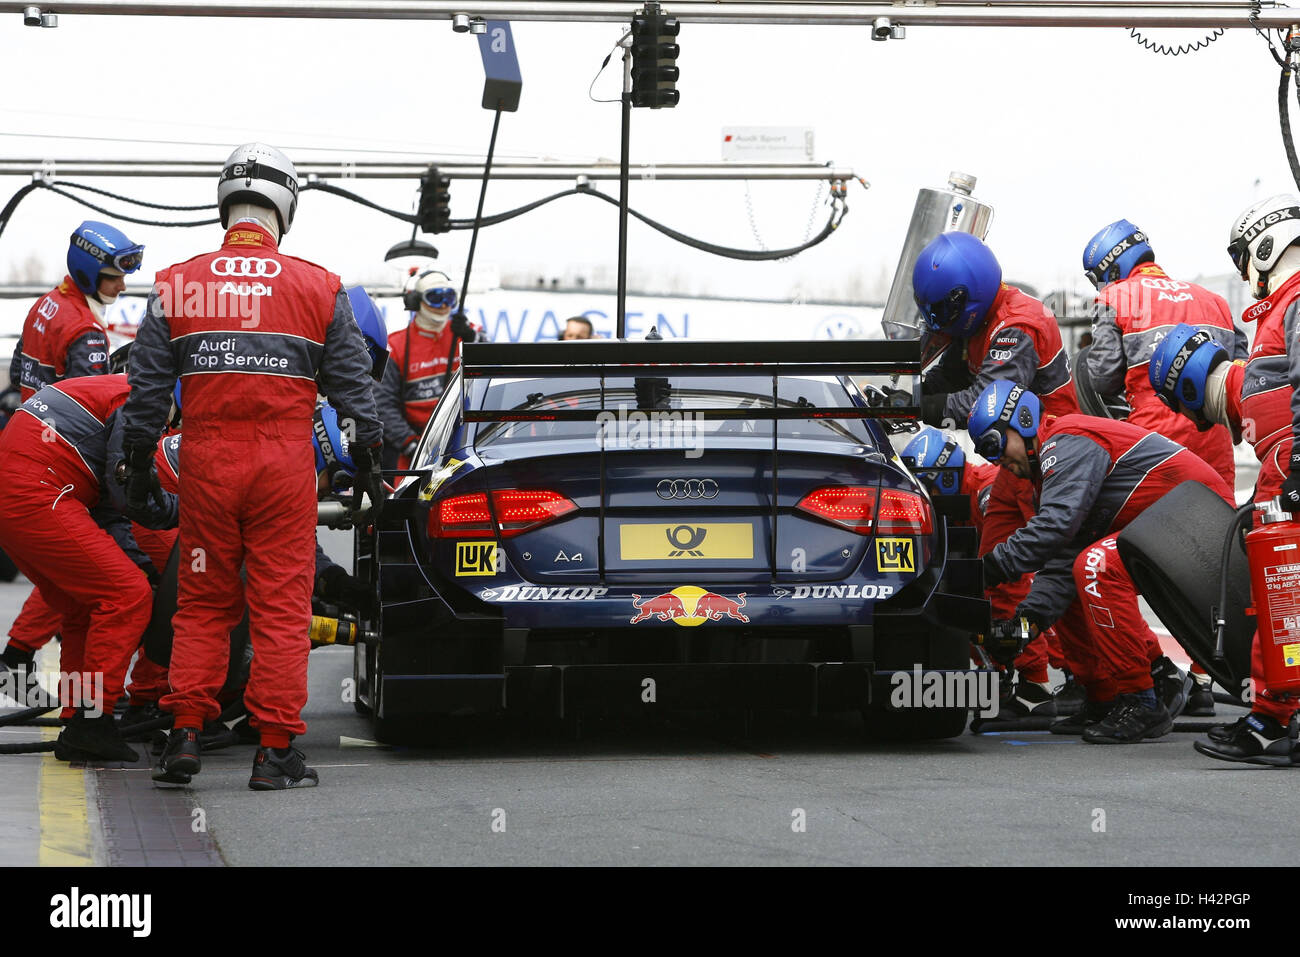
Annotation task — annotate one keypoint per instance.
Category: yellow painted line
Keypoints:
(65, 822)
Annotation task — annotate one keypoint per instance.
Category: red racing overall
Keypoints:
(1136, 313)
(55, 461)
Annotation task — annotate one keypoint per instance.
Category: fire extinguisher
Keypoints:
(1273, 554)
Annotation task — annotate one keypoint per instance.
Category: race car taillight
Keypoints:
(517, 511)
(522, 510)
(903, 513)
(462, 516)
(861, 510)
(848, 506)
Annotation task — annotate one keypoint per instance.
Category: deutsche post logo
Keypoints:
(712, 540)
(895, 555)
(476, 559)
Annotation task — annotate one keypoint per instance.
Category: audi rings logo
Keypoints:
(687, 488)
(245, 266)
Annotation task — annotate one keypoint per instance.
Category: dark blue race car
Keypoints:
(619, 526)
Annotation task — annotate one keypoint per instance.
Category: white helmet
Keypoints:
(262, 175)
(1261, 234)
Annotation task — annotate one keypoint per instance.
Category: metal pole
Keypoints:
(971, 13)
(55, 168)
(620, 326)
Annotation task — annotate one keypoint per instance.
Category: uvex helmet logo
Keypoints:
(323, 438)
(245, 266)
(1272, 219)
(81, 242)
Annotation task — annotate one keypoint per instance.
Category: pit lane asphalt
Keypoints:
(708, 791)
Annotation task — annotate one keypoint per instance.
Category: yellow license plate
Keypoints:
(685, 541)
(895, 555)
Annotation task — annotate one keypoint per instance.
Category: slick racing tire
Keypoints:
(913, 725)
(1173, 551)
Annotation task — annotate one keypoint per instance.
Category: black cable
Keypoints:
(31, 747)
(838, 212)
(1163, 50)
(24, 716)
(348, 194)
(473, 242)
(122, 216)
(750, 255)
(1284, 115)
(12, 205)
(128, 199)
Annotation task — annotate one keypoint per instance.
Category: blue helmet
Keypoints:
(1181, 364)
(330, 443)
(371, 323)
(937, 460)
(1002, 405)
(955, 280)
(1114, 252)
(96, 246)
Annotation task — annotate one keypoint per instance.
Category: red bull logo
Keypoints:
(689, 605)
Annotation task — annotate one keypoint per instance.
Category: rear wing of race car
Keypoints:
(649, 363)
(899, 361)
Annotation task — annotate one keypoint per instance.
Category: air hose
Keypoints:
(1217, 613)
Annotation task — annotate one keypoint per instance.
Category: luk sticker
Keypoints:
(476, 559)
(895, 555)
(688, 605)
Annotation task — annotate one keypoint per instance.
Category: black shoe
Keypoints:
(1091, 713)
(245, 733)
(1029, 698)
(180, 759)
(278, 769)
(16, 658)
(1129, 722)
(1255, 739)
(215, 736)
(1226, 732)
(1172, 685)
(97, 738)
(1070, 697)
(1200, 703)
(141, 714)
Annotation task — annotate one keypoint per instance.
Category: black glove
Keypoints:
(932, 407)
(369, 481)
(338, 587)
(993, 573)
(1291, 487)
(137, 473)
(408, 447)
(461, 327)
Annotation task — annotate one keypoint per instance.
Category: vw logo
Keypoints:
(245, 266)
(687, 488)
